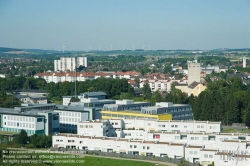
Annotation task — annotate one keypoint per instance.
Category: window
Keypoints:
(135, 146)
(196, 138)
(116, 123)
(39, 119)
(90, 126)
(86, 126)
(205, 155)
(195, 152)
(205, 138)
(163, 125)
(176, 126)
(57, 140)
(131, 146)
(143, 147)
(172, 126)
(17, 124)
(148, 147)
(190, 152)
(192, 138)
(149, 124)
(177, 137)
(55, 117)
(210, 156)
(198, 126)
(202, 126)
(185, 126)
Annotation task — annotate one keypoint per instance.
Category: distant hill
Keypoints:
(4, 49)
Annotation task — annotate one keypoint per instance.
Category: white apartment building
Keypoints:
(119, 145)
(191, 152)
(202, 142)
(161, 85)
(69, 63)
(175, 131)
(127, 75)
(95, 128)
(61, 76)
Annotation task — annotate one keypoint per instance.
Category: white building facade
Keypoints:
(69, 63)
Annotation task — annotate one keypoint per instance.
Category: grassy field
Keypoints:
(235, 130)
(75, 160)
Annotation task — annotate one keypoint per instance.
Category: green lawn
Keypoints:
(82, 160)
(235, 130)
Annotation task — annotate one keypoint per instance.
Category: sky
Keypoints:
(129, 24)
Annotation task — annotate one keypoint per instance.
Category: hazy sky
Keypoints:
(160, 24)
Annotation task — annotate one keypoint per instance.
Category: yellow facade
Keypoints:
(133, 114)
(196, 90)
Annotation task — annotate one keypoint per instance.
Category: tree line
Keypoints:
(112, 87)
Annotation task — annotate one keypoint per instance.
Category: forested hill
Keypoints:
(4, 49)
(225, 100)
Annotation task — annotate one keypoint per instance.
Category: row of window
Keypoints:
(66, 119)
(65, 113)
(137, 134)
(20, 118)
(19, 124)
(182, 115)
(87, 126)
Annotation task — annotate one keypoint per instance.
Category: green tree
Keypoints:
(156, 97)
(74, 99)
(146, 91)
(247, 123)
(22, 137)
(10, 102)
(137, 81)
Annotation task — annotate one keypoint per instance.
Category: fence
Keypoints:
(128, 156)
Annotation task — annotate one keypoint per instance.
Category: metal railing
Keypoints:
(127, 156)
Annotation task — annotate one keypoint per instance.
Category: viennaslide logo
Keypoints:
(233, 155)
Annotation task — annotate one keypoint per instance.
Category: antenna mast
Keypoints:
(76, 75)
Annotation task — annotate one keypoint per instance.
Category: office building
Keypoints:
(33, 121)
(178, 111)
(122, 105)
(71, 115)
(92, 102)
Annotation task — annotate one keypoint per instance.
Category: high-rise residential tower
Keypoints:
(244, 62)
(69, 63)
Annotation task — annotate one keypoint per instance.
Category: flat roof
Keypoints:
(15, 112)
(92, 121)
